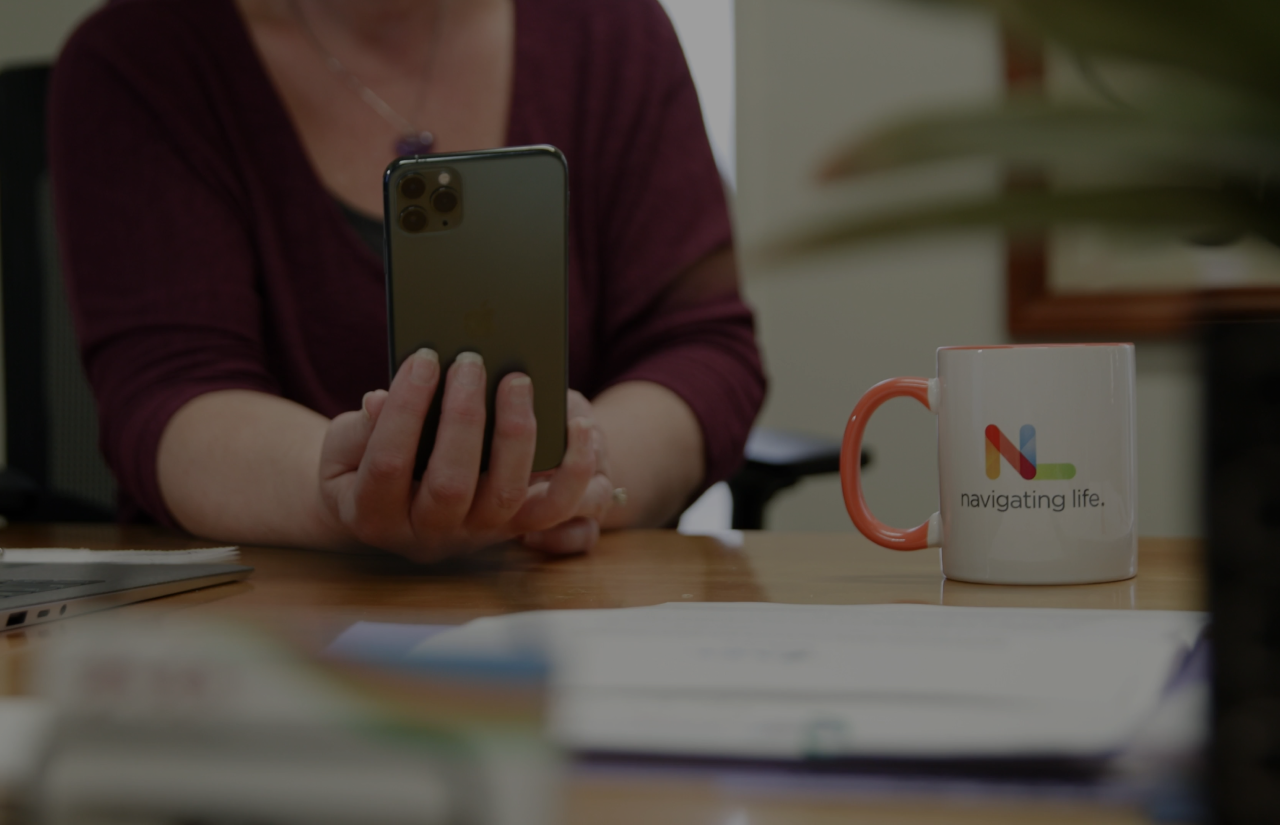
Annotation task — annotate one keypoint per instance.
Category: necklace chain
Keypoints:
(413, 141)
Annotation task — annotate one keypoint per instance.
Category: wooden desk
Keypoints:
(316, 595)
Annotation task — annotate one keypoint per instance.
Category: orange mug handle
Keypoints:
(928, 534)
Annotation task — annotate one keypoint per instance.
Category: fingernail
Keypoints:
(364, 406)
(470, 369)
(426, 366)
(522, 386)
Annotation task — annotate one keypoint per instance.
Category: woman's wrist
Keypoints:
(327, 528)
(656, 445)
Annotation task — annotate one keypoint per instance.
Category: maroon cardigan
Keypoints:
(202, 252)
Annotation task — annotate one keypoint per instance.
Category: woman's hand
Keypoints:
(366, 468)
(579, 534)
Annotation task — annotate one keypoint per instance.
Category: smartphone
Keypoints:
(476, 251)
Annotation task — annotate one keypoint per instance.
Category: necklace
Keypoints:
(412, 141)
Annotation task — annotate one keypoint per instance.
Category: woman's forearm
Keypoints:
(655, 448)
(242, 466)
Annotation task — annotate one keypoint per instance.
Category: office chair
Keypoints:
(776, 460)
(55, 471)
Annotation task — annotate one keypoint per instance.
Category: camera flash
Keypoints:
(444, 178)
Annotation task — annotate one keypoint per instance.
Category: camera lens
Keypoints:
(413, 219)
(413, 187)
(444, 199)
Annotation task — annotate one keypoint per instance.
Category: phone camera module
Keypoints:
(444, 200)
(413, 219)
(413, 187)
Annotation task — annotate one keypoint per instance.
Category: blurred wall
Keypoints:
(33, 30)
(811, 72)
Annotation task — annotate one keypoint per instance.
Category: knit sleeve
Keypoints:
(664, 213)
(158, 262)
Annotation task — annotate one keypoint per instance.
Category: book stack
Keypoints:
(223, 723)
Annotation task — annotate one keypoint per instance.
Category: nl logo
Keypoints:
(1023, 457)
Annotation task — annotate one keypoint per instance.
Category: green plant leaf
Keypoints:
(1183, 209)
(1223, 128)
(1236, 42)
(1214, 140)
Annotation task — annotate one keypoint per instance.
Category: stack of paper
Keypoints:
(793, 681)
(66, 555)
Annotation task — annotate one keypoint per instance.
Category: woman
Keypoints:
(215, 164)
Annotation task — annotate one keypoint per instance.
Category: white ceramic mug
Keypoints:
(1036, 459)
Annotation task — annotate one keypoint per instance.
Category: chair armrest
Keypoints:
(794, 453)
(776, 460)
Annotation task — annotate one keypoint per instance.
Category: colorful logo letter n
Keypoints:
(1023, 457)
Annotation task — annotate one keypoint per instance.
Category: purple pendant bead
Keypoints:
(419, 144)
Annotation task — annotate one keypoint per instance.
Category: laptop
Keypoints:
(34, 593)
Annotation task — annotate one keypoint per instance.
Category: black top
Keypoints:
(369, 229)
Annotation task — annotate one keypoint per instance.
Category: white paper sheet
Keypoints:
(788, 681)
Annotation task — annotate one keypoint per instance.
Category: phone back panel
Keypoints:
(492, 281)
